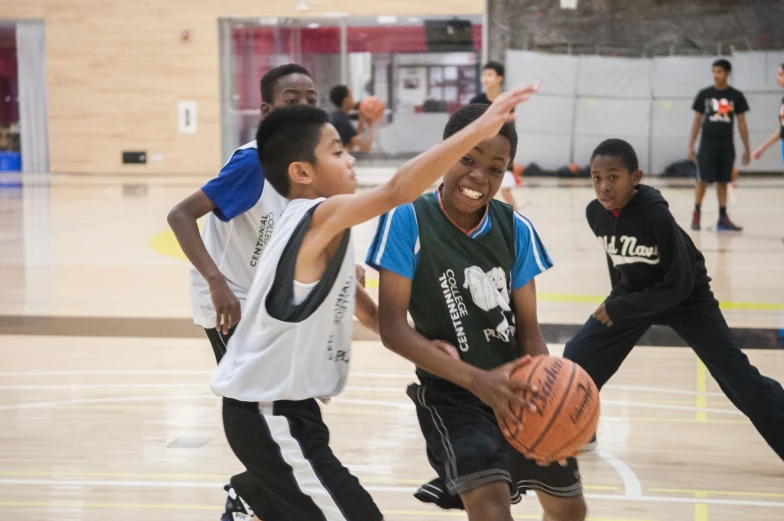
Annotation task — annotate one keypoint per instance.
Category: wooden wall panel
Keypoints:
(116, 69)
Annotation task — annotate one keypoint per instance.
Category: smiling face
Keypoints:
(613, 183)
(475, 179)
(334, 169)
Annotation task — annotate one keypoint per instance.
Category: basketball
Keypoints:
(567, 410)
(372, 108)
(574, 168)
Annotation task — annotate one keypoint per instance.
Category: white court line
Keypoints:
(400, 405)
(350, 388)
(142, 372)
(660, 390)
(411, 376)
(402, 490)
(42, 405)
(32, 405)
(630, 481)
(673, 407)
(76, 386)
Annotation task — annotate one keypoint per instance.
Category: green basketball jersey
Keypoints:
(461, 291)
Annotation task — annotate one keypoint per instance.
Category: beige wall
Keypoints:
(116, 69)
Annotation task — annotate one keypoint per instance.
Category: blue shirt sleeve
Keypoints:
(238, 185)
(531, 257)
(395, 246)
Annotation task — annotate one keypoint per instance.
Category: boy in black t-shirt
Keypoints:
(716, 108)
(492, 81)
(658, 277)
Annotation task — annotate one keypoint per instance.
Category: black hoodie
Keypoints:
(654, 265)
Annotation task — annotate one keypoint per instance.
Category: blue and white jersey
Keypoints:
(395, 246)
(236, 232)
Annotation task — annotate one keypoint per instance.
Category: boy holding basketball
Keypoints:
(658, 277)
(360, 138)
(463, 265)
(294, 344)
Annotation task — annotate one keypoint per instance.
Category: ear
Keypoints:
(266, 108)
(637, 177)
(301, 173)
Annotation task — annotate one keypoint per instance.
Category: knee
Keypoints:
(572, 509)
(488, 503)
(488, 511)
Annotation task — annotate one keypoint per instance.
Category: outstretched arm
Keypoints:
(340, 212)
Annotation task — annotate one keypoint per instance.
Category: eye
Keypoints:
(339, 153)
(312, 101)
(497, 171)
(467, 160)
(613, 177)
(291, 101)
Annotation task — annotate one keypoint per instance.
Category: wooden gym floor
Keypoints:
(105, 411)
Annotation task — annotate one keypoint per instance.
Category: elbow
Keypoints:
(388, 336)
(174, 216)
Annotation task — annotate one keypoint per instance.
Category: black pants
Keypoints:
(601, 350)
(218, 341)
(715, 161)
(285, 448)
(245, 484)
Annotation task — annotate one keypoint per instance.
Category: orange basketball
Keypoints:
(567, 404)
(372, 108)
(574, 168)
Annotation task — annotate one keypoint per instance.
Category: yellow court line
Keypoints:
(426, 513)
(166, 244)
(407, 481)
(702, 384)
(706, 493)
(574, 298)
(79, 504)
(700, 512)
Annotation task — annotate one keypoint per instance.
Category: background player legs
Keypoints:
(601, 350)
(699, 192)
(489, 502)
(562, 509)
(721, 194)
(757, 396)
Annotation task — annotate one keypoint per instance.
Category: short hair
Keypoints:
(465, 115)
(337, 94)
(495, 66)
(620, 149)
(724, 64)
(270, 79)
(285, 136)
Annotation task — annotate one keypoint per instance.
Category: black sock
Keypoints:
(722, 211)
(697, 207)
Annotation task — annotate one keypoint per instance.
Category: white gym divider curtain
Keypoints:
(647, 101)
(33, 107)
